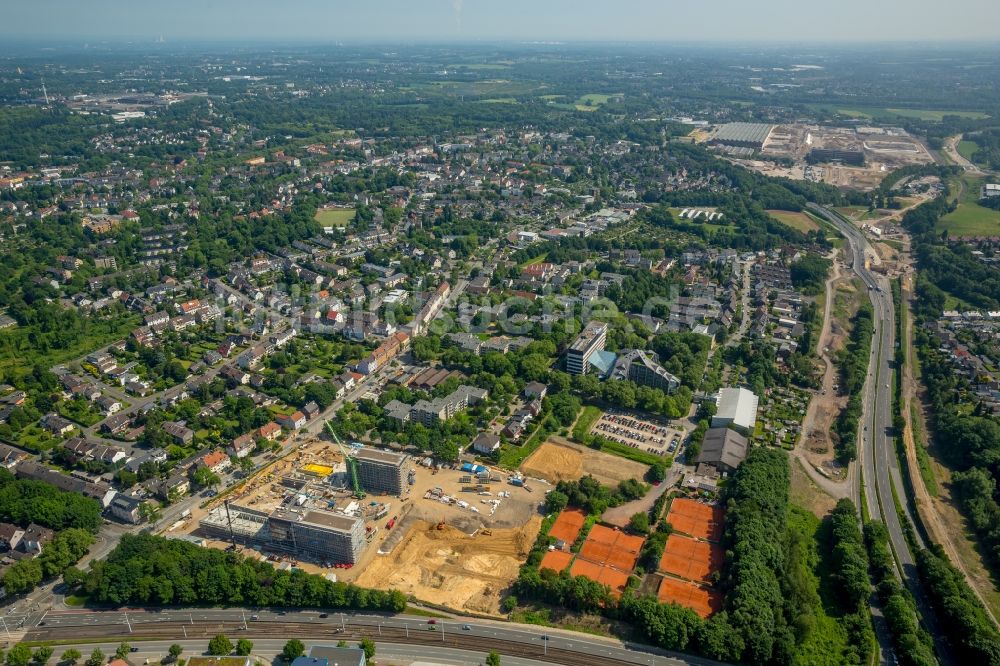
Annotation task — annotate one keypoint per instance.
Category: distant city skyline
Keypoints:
(481, 20)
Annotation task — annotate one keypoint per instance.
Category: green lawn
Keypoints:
(826, 640)
(499, 100)
(335, 217)
(591, 101)
(967, 149)
(584, 421)
(971, 219)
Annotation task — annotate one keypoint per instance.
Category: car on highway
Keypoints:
(133, 649)
(324, 615)
(466, 627)
(432, 621)
(255, 617)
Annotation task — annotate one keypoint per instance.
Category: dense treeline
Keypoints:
(853, 365)
(972, 635)
(757, 501)
(955, 270)
(913, 645)
(849, 568)
(809, 273)
(588, 494)
(23, 501)
(153, 571)
(987, 151)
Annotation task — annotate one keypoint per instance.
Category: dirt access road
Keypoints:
(944, 524)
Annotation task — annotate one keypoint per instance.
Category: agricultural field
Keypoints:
(335, 217)
(801, 221)
(886, 114)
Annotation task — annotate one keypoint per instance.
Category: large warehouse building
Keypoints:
(735, 408)
(744, 135)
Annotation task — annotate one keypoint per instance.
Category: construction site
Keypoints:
(453, 536)
(855, 157)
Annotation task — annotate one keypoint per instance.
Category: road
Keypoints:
(879, 465)
(518, 641)
(950, 148)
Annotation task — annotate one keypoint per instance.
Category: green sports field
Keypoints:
(335, 217)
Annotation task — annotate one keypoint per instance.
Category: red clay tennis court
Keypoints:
(568, 525)
(604, 575)
(687, 558)
(607, 546)
(699, 520)
(557, 560)
(702, 601)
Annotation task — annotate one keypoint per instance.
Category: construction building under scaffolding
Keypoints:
(299, 531)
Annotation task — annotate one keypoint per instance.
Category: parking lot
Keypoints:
(646, 433)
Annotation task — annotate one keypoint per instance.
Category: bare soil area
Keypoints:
(561, 460)
(448, 567)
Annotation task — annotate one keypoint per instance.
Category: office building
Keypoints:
(590, 341)
(318, 535)
(381, 471)
(325, 536)
(643, 368)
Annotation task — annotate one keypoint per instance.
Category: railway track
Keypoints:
(350, 632)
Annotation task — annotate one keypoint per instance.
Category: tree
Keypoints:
(175, 651)
(293, 649)
(96, 658)
(150, 511)
(123, 649)
(341, 643)
(70, 657)
(19, 655)
(206, 478)
(220, 645)
(639, 523)
(509, 604)
(368, 645)
(493, 658)
(555, 501)
(42, 654)
(244, 647)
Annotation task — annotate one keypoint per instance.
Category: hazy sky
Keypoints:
(429, 20)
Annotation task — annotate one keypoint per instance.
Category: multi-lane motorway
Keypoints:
(879, 483)
(533, 643)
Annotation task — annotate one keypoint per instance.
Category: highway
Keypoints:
(879, 465)
(200, 624)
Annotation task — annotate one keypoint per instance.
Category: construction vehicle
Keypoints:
(352, 464)
(486, 532)
(439, 526)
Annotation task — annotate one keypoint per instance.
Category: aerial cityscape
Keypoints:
(430, 334)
